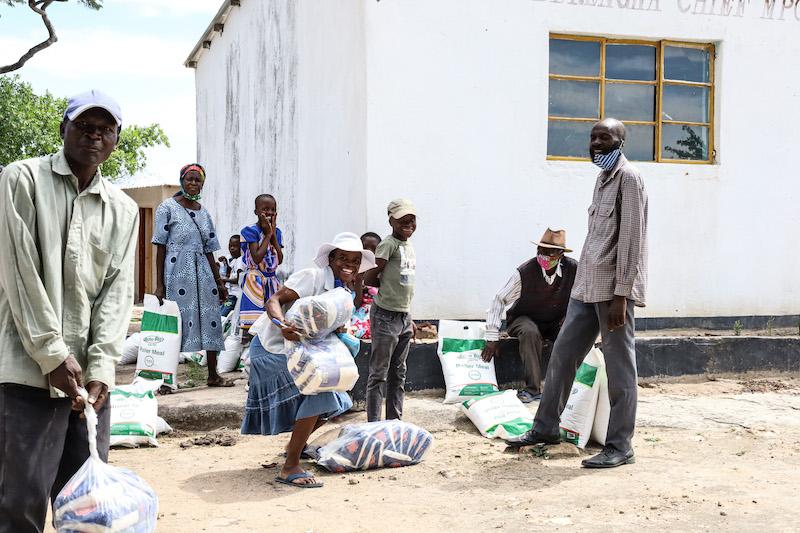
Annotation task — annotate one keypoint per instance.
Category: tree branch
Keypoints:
(39, 8)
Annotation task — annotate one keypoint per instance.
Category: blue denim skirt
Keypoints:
(273, 401)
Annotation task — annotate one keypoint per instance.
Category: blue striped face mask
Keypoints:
(607, 161)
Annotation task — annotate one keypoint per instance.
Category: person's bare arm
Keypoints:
(274, 309)
(161, 283)
(371, 277)
(222, 292)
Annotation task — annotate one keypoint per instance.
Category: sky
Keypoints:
(131, 49)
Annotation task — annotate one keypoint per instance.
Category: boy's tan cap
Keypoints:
(400, 208)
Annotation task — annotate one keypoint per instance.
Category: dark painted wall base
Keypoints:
(656, 356)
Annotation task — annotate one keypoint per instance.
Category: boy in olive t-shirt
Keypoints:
(390, 315)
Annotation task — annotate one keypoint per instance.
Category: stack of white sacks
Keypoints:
(500, 414)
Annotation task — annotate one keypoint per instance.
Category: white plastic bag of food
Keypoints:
(603, 412)
(104, 498)
(318, 316)
(134, 414)
(322, 365)
(386, 443)
(160, 344)
(466, 375)
(577, 418)
(130, 349)
(499, 415)
(228, 359)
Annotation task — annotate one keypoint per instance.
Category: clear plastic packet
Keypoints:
(386, 443)
(101, 498)
(322, 365)
(318, 316)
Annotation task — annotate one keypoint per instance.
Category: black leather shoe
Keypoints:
(609, 458)
(532, 438)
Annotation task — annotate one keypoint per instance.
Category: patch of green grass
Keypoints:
(737, 328)
(770, 325)
(196, 374)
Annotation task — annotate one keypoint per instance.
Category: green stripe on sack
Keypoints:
(168, 378)
(157, 322)
(586, 374)
(477, 389)
(148, 394)
(136, 430)
(462, 345)
(514, 428)
(570, 436)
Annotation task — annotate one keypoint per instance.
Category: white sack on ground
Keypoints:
(577, 418)
(603, 412)
(130, 349)
(466, 375)
(228, 359)
(134, 414)
(499, 415)
(160, 345)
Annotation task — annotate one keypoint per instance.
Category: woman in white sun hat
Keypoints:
(274, 405)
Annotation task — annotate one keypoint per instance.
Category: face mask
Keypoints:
(547, 262)
(607, 161)
(193, 197)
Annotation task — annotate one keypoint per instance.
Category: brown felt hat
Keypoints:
(553, 239)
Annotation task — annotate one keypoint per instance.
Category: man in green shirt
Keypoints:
(391, 326)
(66, 292)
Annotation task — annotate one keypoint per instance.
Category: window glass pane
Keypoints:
(626, 101)
(630, 62)
(685, 103)
(574, 58)
(684, 142)
(568, 138)
(686, 64)
(579, 99)
(639, 142)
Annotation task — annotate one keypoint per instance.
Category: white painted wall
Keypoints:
(458, 123)
(344, 105)
(280, 110)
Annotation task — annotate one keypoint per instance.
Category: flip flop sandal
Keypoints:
(291, 478)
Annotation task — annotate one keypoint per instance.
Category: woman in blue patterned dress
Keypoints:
(188, 274)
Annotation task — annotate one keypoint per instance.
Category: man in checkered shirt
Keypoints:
(611, 280)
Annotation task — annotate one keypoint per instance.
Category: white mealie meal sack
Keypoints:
(134, 414)
(466, 375)
(160, 343)
(228, 359)
(130, 349)
(499, 415)
(578, 416)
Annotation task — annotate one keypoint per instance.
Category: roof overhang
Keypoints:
(216, 26)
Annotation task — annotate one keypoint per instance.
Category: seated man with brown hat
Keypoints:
(536, 296)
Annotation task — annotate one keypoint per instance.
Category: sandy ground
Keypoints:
(715, 455)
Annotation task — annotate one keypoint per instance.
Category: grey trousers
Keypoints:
(578, 334)
(531, 338)
(42, 444)
(391, 338)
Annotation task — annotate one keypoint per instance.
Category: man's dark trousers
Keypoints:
(531, 336)
(42, 444)
(578, 334)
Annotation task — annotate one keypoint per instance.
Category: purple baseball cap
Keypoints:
(84, 101)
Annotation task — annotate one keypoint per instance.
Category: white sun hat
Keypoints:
(349, 242)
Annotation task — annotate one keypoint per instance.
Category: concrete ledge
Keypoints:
(655, 356)
(205, 409)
